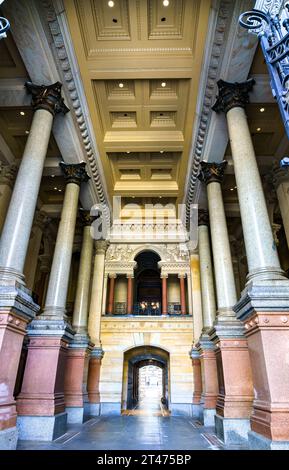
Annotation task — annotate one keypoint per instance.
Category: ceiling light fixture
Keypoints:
(59, 190)
(22, 113)
(164, 84)
(262, 110)
(128, 151)
(166, 3)
(161, 151)
(26, 132)
(121, 85)
(110, 4)
(52, 176)
(259, 129)
(232, 189)
(55, 189)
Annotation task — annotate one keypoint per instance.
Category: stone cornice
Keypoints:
(71, 82)
(223, 20)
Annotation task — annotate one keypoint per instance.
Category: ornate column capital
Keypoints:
(232, 95)
(74, 172)
(8, 174)
(86, 219)
(203, 217)
(130, 276)
(41, 220)
(101, 246)
(182, 275)
(112, 275)
(164, 276)
(212, 172)
(47, 97)
(279, 176)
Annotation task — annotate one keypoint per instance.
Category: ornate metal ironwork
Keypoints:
(4, 27)
(273, 34)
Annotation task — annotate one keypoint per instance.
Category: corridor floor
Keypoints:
(133, 433)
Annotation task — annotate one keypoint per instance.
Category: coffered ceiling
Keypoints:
(140, 63)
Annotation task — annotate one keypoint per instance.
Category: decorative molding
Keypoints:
(224, 17)
(149, 50)
(74, 87)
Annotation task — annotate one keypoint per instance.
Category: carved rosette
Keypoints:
(212, 172)
(232, 95)
(203, 217)
(47, 97)
(74, 172)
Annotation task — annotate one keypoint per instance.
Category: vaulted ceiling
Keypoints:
(140, 63)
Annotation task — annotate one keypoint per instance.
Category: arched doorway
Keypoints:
(148, 286)
(146, 380)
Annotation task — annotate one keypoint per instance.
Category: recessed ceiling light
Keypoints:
(26, 132)
(163, 84)
(232, 189)
(161, 151)
(259, 129)
(128, 151)
(22, 113)
(160, 197)
(262, 110)
(110, 3)
(121, 85)
(59, 190)
(166, 3)
(55, 189)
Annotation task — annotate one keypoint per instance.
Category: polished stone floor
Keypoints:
(133, 433)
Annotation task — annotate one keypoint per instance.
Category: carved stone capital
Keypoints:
(8, 174)
(164, 275)
(41, 220)
(112, 275)
(86, 218)
(74, 172)
(232, 95)
(279, 176)
(101, 246)
(212, 172)
(182, 275)
(47, 97)
(203, 217)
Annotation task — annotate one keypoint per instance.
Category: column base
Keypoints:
(259, 442)
(207, 417)
(232, 431)
(75, 414)
(93, 380)
(16, 310)
(92, 409)
(110, 409)
(181, 409)
(41, 428)
(8, 439)
(196, 411)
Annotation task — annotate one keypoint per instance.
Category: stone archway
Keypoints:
(134, 360)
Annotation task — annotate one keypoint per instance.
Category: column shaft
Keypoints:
(196, 294)
(7, 177)
(164, 295)
(260, 247)
(59, 274)
(110, 307)
(95, 308)
(129, 295)
(224, 273)
(19, 219)
(80, 313)
(207, 278)
(183, 295)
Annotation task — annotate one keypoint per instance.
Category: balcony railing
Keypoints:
(147, 308)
